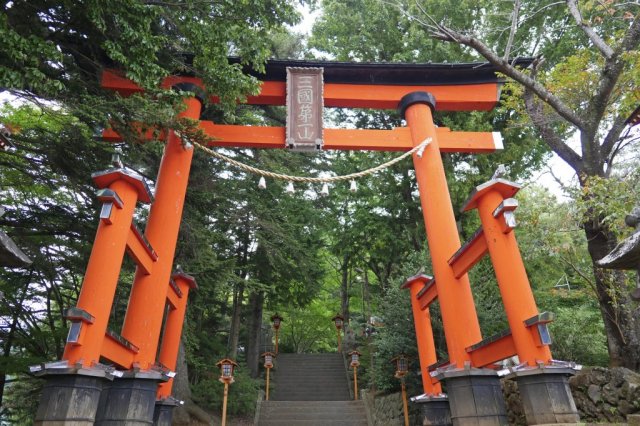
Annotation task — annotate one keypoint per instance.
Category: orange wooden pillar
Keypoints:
(173, 327)
(495, 207)
(143, 320)
(103, 269)
(456, 301)
(424, 334)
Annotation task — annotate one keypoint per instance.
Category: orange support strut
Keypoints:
(143, 320)
(459, 316)
(424, 335)
(173, 331)
(101, 277)
(517, 297)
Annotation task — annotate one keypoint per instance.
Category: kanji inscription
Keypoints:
(304, 108)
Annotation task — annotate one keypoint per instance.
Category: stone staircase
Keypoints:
(311, 389)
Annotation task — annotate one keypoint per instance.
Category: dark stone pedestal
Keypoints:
(435, 410)
(163, 413)
(546, 396)
(129, 400)
(475, 397)
(70, 397)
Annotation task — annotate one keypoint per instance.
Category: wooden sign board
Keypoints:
(304, 108)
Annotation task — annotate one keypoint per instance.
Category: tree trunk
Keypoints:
(621, 320)
(256, 303)
(188, 413)
(234, 331)
(344, 291)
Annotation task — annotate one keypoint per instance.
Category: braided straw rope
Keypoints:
(265, 173)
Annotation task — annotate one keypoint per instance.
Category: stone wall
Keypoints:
(606, 395)
(386, 410)
(602, 395)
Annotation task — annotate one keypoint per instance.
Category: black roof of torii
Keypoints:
(386, 73)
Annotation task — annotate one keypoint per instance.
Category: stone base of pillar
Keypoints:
(70, 396)
(546, 396)
(435, 410)
(129, 399)
(475, 397)
(163, 414)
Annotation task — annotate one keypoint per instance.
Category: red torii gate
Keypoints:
(416, 90)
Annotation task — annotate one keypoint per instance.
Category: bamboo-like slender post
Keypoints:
(339, 341)
(276, 349)
(267, 390)
(224, 403)
(405, 406)
(355, 382)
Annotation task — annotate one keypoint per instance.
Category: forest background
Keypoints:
(255, 252)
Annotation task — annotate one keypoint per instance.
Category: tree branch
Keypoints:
(514, 27)
(603, 47)
(613, 136)
(444, 33)
(610, 74)
(541, 122)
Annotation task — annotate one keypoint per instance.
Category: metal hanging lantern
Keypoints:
(268, 365)
(402, 365)
(276, 320)
(338, 321)
(402, 368)
(268, 359)
(227, 367)
(355, 363)
(355, 358)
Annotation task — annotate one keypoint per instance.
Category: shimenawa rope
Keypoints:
(265, 173)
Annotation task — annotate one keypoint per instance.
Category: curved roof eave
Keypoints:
(389, 73)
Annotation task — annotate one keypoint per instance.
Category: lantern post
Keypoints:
(355, 362)
(226, 366)
(402, 368)
(338, 320)
(276, 320)
(268, 364)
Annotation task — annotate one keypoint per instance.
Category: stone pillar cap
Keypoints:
(423, 278)
(191, 281)
(105, 178)
(506, 188)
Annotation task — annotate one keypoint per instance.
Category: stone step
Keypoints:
(312, 380)
(298, 386)
(281, 394)
(304, 369)
(313, 423)
(309, 393)
(310, 397)
(309, 373)
(295, 414)
(309, 367)
(319, 413)
(312, 404)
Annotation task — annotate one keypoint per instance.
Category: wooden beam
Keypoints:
(173, 299)
(468, 97)
(116, 352)
(428, 294)
(492, 350)
(140, 250)
(469, 254)
(398, 139)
